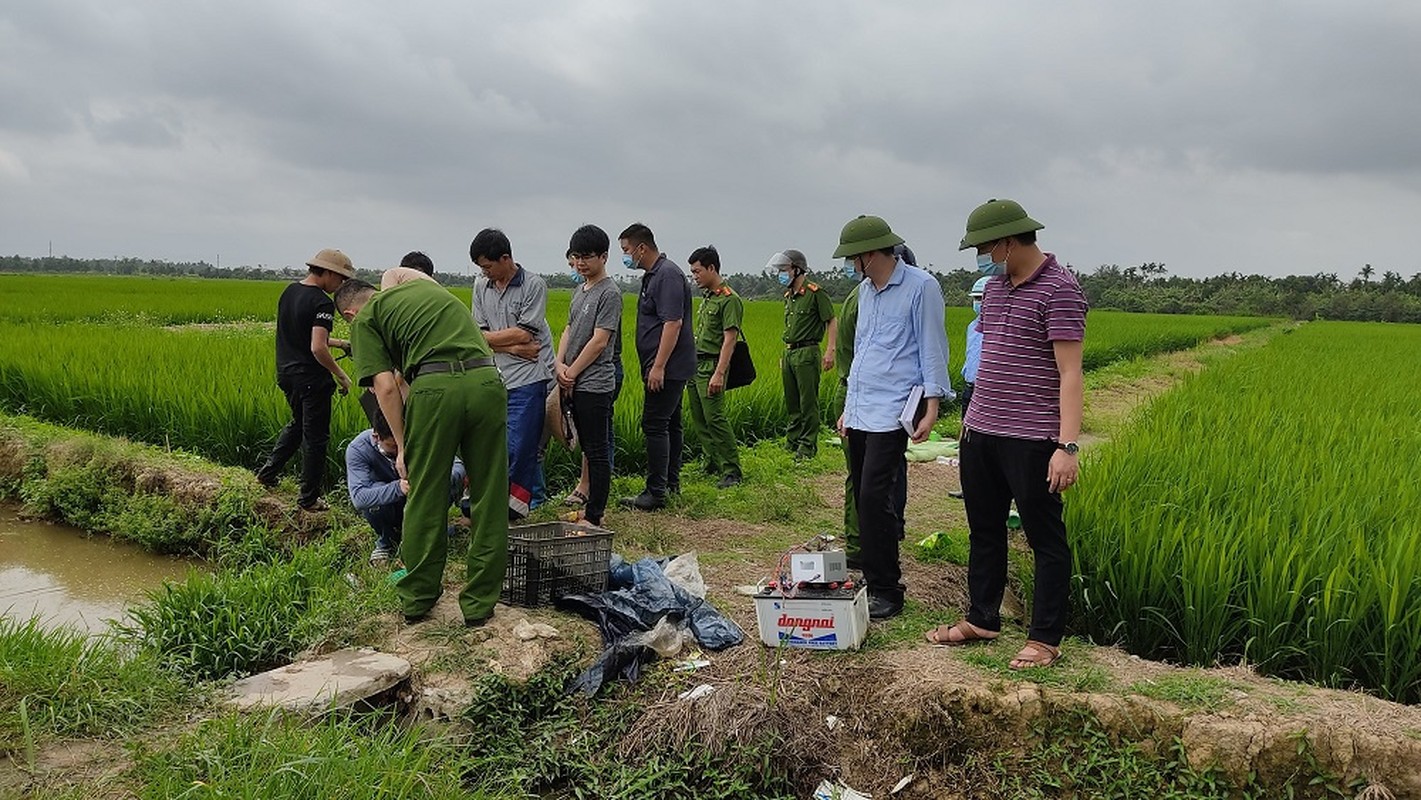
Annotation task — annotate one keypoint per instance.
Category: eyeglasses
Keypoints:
(586, 256)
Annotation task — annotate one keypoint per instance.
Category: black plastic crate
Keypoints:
(551, 559)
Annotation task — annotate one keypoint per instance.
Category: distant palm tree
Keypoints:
(1367, 273)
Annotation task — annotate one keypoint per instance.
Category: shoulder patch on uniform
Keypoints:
(813, 287)
(725, 290)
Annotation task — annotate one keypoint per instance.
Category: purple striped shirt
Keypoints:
(1018, 387)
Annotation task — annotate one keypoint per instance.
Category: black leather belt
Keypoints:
(448, 366)
(798, 345)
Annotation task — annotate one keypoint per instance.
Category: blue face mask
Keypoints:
(850, 271)
(783, 278)
(987, 266)
(577, 277)
(628, 262)
(977, 306)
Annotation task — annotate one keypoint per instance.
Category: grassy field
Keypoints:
(1264, 511)
(189, 363)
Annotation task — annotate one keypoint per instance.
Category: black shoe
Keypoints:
(267, 481)
(477, 623)
(955, 495)
(645, 501)
(883, 608)
(315, 506)
(730, 479)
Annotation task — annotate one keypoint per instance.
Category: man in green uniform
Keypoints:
(808, 314)
(457, 405)
(718, 324)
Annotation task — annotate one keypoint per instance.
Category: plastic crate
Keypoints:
(551, 559)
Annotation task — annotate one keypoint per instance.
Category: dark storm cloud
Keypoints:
(265, 124)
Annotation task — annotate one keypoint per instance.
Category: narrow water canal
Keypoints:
(66, 578)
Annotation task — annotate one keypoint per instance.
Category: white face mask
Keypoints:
(391, 453)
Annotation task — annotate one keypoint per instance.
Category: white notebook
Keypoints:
(913, 410)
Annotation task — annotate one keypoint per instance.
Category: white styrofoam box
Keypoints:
(829, 566)
(828, 619)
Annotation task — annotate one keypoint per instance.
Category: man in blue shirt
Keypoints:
(899, 344)
(378, 492)
(974, 342)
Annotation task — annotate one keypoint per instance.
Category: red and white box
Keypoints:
(814, 619)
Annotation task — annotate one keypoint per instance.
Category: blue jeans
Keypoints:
(388, 522)
(527, 406)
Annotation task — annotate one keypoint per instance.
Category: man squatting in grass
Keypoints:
(808, 314)
(378, 492)
(584, 361)
(510, 306)
(457, 406)
(718, 324)
(304, 368)
(668, 360)
(899, 343)
(578, 496)
(1019, 434)
(843, 362)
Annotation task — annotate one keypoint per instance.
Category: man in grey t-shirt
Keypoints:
(584, 363)
(510, 306)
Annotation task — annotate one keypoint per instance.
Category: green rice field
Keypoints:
(1266, 511)
(189, 363)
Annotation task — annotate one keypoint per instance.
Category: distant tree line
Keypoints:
(1144, 288)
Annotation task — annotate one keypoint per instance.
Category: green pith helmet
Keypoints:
(997, 219)
(865, 234)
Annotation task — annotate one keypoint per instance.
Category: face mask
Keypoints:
(977, 306)
(987, 266)
(783, 278)
(628, 262)
(577, 277)
(850, 271)
(383, 451)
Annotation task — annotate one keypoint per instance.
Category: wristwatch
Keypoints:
(1071, 448)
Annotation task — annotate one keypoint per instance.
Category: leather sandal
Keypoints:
(574, 499)
(963, 632)
(1036, 654)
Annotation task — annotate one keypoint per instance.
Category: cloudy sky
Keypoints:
(1213, 136)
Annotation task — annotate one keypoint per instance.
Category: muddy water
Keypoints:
(65, 578)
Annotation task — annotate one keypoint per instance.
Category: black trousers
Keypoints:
(995, 471)
(592, 411)
(309, 431)
(661, 425)
(880, 478)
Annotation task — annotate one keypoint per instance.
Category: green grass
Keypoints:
(1261, 510)
(1188, 689)
(60, 683)
(238, 755)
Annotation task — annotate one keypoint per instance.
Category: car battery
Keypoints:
(813, 619)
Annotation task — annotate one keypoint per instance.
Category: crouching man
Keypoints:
(378, 492)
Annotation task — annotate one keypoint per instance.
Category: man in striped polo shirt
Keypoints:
(1019, 434)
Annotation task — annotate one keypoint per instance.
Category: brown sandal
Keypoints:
(1036, 654)
(965, 632)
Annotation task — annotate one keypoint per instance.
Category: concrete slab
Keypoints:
(338, 680)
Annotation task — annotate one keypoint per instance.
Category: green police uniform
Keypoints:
(807, 314)
(843, 360)
(720, 311)
(461, 410)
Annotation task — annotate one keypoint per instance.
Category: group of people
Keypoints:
(450, 382)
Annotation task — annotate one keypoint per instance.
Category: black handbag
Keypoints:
(741, 371)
